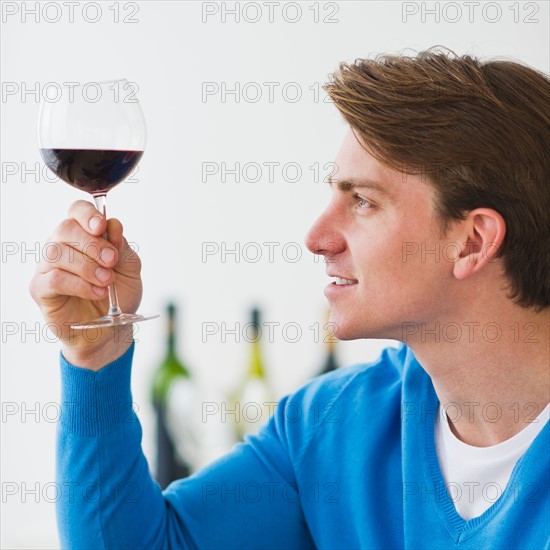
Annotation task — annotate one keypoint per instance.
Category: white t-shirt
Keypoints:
(476, 476)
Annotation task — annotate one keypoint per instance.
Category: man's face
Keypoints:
(367, 235)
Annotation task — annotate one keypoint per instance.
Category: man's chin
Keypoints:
(343, 329)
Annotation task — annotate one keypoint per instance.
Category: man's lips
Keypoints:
(340, 280)
(339, 287)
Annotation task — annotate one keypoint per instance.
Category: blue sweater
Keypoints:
(348, 461)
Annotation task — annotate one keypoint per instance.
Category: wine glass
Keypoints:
(92, 136)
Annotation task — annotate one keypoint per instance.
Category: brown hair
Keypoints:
(480, 133)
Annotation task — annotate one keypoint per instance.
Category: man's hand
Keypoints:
(71, 285)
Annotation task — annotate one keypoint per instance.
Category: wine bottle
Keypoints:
(330, 362)
(252, 402)
(171, 377)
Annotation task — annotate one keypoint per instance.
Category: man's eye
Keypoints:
(361, 202)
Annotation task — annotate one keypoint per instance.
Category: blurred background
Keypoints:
(240, 141)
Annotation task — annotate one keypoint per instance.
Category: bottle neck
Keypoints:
(172, 360)
(330, 357)
(171, 339)
(256, 369)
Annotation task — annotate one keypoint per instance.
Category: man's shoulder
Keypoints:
(375, 380)
(387, 368)
(356, 400)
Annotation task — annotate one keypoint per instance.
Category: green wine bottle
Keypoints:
(252, 402)
(170, 374)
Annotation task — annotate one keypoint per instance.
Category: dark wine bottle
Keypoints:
(253, 400)
(330, 362)
(171, 373)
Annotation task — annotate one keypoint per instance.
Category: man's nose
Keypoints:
(324, 237)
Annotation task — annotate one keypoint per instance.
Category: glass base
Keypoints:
(114, 321)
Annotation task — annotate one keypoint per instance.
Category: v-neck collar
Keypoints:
(459, 528)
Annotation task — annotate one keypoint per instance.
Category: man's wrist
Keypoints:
(108, 351)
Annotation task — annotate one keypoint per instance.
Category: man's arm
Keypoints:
(111, 501)
(109, 498)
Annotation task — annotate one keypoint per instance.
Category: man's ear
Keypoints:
(483, 231)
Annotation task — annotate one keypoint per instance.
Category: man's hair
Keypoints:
(480, 134)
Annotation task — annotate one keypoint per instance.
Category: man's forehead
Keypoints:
(354, 162)
(357, 168)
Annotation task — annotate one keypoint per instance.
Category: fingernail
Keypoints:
(102, 274)
(107, 255)
(98, 290)
(94, 223)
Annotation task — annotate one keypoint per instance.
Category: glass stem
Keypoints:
(114, 310)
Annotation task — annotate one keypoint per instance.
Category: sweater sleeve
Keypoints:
(246, 499)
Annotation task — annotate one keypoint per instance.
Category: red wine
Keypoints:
(95, 171)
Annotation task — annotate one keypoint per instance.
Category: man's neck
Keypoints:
(495, 379)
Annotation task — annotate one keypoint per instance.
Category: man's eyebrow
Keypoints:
(350, 184)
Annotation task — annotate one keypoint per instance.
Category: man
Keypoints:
(437, 235)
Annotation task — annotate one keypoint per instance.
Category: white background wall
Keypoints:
(171, 48)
